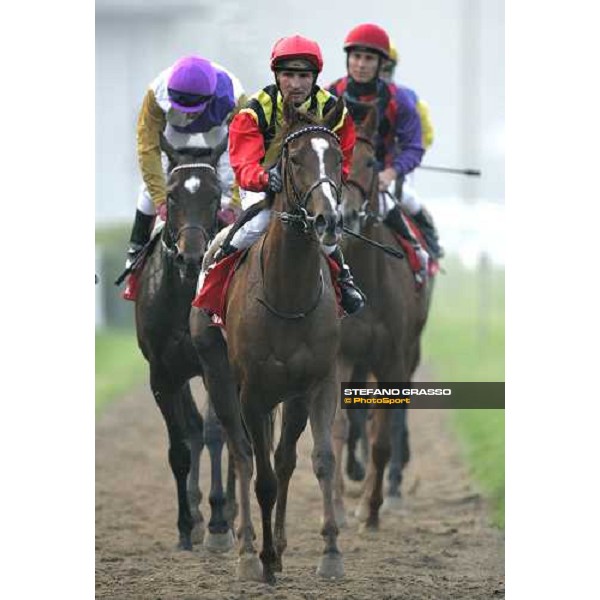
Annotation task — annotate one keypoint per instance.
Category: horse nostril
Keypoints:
(320, 224)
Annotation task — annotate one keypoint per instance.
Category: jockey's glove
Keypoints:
(274, 183)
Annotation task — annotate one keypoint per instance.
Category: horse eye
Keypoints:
(370, 162)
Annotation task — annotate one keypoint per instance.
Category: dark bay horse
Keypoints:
(283, 335)
(382, 342)
(166, 288)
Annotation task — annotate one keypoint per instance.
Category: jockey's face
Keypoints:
(362, 66)
(295, 84)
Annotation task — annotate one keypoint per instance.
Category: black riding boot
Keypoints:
(425, 222)
(140, 236)
(353, 298)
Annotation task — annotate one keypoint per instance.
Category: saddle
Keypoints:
(413, 259)
(131, 288)
(212, 297)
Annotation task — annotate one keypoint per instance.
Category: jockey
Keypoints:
(407, 191)
(189, 102)
(296, 63)
(399, 147)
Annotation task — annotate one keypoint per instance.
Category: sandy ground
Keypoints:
(440, 547)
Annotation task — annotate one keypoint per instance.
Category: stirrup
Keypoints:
(132, 253)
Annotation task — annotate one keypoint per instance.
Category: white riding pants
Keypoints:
(210, 139)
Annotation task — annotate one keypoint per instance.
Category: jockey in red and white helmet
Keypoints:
(189, 102)
(296, 63)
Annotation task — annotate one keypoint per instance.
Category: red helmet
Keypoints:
(298, 47)
(368, 36)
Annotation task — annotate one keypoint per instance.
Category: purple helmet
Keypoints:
(192, 84)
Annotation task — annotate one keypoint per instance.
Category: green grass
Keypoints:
(464, 341)
(482, 436)
(119, 365)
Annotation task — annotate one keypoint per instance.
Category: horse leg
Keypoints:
(195, 430)
(398, 459)
(357, 419)
(261, 430)
(220, 538)
(372, 498)
(222, 390)
(322, 413)
(231, 505)
(170, 403)
(295, 415)
(339, 432)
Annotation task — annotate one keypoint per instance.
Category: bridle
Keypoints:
(366, 194)
(299, 215)
(173, 235)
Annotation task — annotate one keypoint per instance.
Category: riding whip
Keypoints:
(468, 172)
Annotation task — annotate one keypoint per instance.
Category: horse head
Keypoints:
(193, 199)
(311, 167)
(360, 190)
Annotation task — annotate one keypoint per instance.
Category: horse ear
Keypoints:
(218, 150)
(290, 114)
(369, 124)
(166, 147)
(333, 116)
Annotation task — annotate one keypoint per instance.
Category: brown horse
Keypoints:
(382, 342)
(166, 288)
(283, 336)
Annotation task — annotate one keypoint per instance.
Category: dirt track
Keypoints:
(441, 548)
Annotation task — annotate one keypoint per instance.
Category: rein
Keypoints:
(299, 216)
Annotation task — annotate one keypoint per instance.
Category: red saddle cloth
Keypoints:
(413, 260)
(213, 295)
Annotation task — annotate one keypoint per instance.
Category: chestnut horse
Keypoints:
(382, 342)
(282, 332)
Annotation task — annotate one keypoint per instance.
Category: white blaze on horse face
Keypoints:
(319, 146)
(192, 184)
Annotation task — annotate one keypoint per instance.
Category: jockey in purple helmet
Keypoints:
(189, 102)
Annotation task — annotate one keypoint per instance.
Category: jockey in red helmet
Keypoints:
(399, 146)
(193, 96)
(410, 199)
(296, 63)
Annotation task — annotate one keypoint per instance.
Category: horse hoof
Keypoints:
(250, 568)
(368, 528)
(198, 533)
(331, 566)
(356, 472)
(185, 543)
(219, 542)
(269, 577)
(393, 504)
(361, 512)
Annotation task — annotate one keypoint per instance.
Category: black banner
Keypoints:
(360, 394)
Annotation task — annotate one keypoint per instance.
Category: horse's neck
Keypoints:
(166, 276)
(291, 267)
